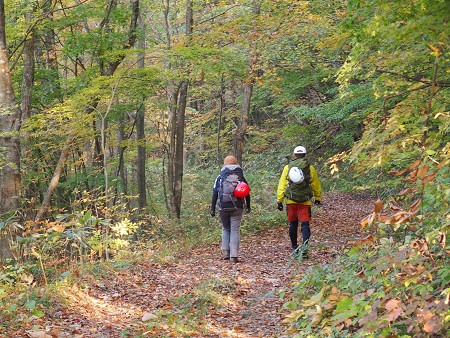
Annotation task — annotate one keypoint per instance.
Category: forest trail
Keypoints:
(196, 294)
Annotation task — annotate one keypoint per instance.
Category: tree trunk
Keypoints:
(121, 168)
(171, 151)
(25, 105)
(140, 133)
(238, 143)
(28, 77)
(219, 125)
(9, 139)
(55, 179)
(243, 122)
(179, 148)
(176, 129)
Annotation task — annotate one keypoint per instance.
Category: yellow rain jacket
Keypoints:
(315, 185)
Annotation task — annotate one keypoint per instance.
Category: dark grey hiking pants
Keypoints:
(231, 226)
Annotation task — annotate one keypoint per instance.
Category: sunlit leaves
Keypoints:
(394, 308)
(315, 299)
(378, 205)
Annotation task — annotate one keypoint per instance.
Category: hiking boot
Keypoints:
(234, 260)
(225, 255)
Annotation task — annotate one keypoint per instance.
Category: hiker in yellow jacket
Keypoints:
(298, 184)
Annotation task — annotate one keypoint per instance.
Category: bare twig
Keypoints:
(217, 15)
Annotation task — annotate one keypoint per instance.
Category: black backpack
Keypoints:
(229, 179)
(300, 192)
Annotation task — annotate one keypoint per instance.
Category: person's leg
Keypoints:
(293, 230)
(306, 232)
(226, 230)
(305, 217)
(292, 217)
(235, 233)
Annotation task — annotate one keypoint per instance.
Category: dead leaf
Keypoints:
(442, 240)
(414, 165)
(405, 192)
(440, 165)
(334, 168)
(422, 170)
(429, 178)
(148, 316)
(59, 228)
(378, 205)
(368, 240)
(406, 218)
(396, 173)
(314, 299)
(317, 316)
(38, 334)
(432, 326)
(383, 217)
(395, 308)
(293, 316)
(394, 218)
(394, 207)
(368, 220)
(413, 174)
(370, 292)
(360, 274)
(420, 245)
(415, 206)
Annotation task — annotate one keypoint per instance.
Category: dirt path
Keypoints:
(199, 295)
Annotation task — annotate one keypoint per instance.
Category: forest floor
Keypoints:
(196, 293)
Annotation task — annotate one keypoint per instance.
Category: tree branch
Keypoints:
(38, 19)
(217, 15)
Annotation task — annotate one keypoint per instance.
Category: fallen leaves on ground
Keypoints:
(195, 293)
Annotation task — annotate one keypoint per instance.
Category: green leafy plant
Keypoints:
(395, 281)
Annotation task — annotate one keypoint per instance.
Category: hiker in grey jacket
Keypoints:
(230, 206)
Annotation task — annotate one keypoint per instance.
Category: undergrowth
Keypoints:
(393, 283)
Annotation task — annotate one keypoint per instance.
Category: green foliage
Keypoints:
(395, 283)
(379, 116)
(27, 303)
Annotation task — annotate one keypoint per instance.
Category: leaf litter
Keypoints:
(197, 294)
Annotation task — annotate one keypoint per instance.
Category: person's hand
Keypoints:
(248, 210)
(316, 202)
(213, 212)
(280, 206)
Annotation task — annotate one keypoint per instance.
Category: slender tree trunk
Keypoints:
(172, 150)
(243, 122)
(179, 148)
(141, 154)
(55, 179)
(140, 132)
(176, 127)
(238, 143)
(9, 140)
(121, 167)
(28, 77)
(219, 125)
(25, 105)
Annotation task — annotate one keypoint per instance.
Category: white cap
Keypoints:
(299, 150)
